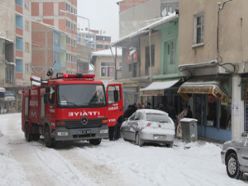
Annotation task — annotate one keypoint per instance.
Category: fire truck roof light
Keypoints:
(87, 76)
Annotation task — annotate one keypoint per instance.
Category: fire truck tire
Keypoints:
(111, 133)
(95, 141)
(28, 135)
(49, 142)
(36, 137)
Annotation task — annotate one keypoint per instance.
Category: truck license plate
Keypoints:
(86, 132)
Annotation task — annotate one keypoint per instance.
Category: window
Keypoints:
(9, 74)
(19, 43)
(113, 94)
(19, 2)
(27, 4)
(27, 68)
(130, 67)
(83, 95)
(198, 29)
(147, 58)
(171, 52)
(27, 26)
(19, 21)
(19, 65)
(107, 69)
(27, 48)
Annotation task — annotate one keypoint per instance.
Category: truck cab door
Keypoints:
(115, 103)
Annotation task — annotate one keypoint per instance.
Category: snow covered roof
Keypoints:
(107, 52)
(146, 29)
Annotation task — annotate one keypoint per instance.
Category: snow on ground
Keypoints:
(111, 163)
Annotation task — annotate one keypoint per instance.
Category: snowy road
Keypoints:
(111, 163)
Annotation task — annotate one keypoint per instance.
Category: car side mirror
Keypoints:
(244, 134)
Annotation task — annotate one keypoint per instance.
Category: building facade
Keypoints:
(63, 16)
(106, 63)
(48, 49)
(7, 43)
(213, 58)
(23, 51)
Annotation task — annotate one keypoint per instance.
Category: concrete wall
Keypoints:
(42, 49)
(232, 29)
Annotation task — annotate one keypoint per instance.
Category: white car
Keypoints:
(149, 125)
(234, 155)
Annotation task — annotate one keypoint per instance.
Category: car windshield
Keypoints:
(156, 117)
(81, 95)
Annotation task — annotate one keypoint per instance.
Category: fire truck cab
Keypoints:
(69, 108)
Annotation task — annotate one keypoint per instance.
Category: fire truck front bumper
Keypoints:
(64, 134)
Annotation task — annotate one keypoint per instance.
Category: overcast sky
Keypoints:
(103, 15)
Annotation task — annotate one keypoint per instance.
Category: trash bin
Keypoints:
(189, 129)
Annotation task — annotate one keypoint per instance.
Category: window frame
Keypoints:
(197, 26)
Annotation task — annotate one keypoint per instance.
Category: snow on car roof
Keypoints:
(152, 111)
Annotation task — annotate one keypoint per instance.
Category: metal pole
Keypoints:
(115, 62)
(150, 55)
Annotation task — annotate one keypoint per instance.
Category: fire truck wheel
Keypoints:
(49, 142)
(28, 135)
(95, 141)
(36, 137)
(111, 133)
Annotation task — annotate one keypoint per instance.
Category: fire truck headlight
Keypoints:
(104, 131)
(62, 133)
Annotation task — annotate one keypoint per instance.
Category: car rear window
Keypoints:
(156, 117)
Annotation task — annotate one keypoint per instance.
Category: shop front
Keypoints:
(211, 105)
(163, 95)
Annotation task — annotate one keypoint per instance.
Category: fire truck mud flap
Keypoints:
(63, 134)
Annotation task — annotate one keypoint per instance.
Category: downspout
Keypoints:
(220, 8)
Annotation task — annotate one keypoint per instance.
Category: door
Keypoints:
(115, 103)
(170, 57)
(243, 158)
(200, 113)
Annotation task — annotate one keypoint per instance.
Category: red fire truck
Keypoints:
(71, 107)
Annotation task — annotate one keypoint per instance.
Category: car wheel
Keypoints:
(36, 137)
(232, 166)
(95, 141)
(138, 141)
(170, 144)
(49, 142)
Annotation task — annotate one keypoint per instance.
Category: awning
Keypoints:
(203, 87)
(157, 88)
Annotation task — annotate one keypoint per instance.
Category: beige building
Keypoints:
(213, 56)
(104, 64)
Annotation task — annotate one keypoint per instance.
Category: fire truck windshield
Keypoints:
(82, 95)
